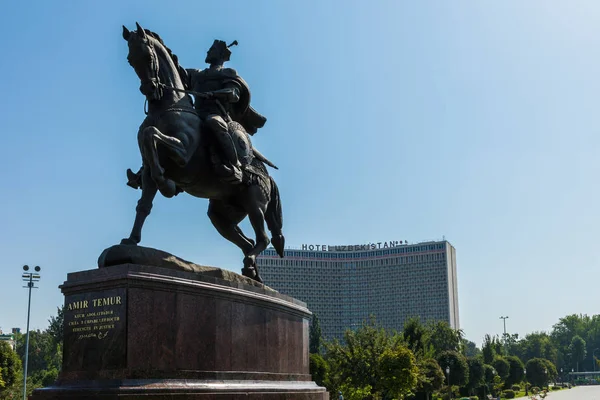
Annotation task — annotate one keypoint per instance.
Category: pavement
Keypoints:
(576, 393)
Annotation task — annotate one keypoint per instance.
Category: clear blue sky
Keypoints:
(388, 120)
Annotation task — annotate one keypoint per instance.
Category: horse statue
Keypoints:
(177, 157)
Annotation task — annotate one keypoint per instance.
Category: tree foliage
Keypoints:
(476, 372)
(563, 332)
(459, 369)
(577, 350)
(537, 372)
(319, 369)
(488, 373)
(537, 345)
(431, 376)
(10, 367)
(45, 359)
(371, 359)
(443, 338)
(398, 371)
(315, 337)
(502, 367)
(416, 335)
(55, 328)
(470, 349)
(516, 371)
(488, 350)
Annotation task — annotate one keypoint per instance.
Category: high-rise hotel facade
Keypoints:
(343, 285)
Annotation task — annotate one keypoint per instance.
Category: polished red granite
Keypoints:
(135, 331)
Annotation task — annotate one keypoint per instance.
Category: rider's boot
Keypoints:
(230, 169)
(134, 180)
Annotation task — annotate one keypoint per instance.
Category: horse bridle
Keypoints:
(155, 67)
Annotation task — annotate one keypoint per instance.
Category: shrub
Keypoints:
(516, 388)
(473, 398)
(556, 387)
(509, 394)
(535, 389)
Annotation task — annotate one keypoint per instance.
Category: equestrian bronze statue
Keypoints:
(202, 146)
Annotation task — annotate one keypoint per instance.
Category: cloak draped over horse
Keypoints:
(204, 150)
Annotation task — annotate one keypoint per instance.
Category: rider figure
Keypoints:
(225, 97)
(222, 89)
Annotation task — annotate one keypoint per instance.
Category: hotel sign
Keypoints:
(355, 247)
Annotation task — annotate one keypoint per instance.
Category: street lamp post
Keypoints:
(448, 375)
(525, 373)
(31, 278)
(546, 378)
(505, 342)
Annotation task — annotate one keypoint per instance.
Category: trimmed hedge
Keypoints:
(508, 394)
(516, 388)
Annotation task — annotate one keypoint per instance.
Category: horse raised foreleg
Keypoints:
(144, 206)
(148, 141)
(177, 149)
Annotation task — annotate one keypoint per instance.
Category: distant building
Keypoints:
(343, 285)
(9, 338)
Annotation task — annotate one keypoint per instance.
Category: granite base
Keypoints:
(136, 331)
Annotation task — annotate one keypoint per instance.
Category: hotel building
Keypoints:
(343, 285)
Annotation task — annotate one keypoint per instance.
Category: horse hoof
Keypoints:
(252, 274)
(248, 273)
(129, 242)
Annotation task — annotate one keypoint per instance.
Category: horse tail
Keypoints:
(274, 219)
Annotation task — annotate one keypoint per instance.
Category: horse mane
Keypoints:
(180, 69)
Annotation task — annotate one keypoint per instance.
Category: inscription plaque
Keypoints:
(94, 330)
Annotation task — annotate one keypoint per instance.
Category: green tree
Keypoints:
(431, 378)
(516, 373)
(550, 371)
(443, 338)
(577, 349)
(459, 369)
(562, 334)
(488, 350)
(319, 370)
(476, 373)
(498, 346)
(537, 345)
(356, 364)
(470, 348)
(55, 328)
(315, 338)
(489, 373)
(398, 371)
(512, 343)
(502, 367)
(537, 372)
(10, 367)
(43, 354)
(416, 335)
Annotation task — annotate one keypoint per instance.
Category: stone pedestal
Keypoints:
(135, 331)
